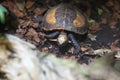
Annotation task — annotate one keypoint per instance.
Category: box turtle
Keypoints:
(64, 22)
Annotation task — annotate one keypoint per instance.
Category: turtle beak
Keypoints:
(62, 39)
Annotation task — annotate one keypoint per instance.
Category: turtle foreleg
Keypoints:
(74, 43)
(52, 35)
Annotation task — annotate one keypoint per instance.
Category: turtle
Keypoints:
(63, 22)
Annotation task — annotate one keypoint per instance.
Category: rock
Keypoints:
(20, 60)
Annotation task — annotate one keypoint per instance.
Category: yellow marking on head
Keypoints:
(50, 18)
(79, 21)
(62, 38)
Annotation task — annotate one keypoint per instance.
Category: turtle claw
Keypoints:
(76, 52)
(75, 44)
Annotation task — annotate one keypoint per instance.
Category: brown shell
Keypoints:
(65, 17)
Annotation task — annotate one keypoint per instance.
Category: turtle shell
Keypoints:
(65, 17)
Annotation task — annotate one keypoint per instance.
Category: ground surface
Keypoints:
(104, 26)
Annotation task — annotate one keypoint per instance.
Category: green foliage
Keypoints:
(91, 20)
(100, 11)
(3, 10)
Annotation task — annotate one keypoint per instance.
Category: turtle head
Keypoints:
(62, 39)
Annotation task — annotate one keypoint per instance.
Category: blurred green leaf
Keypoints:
(100, 11)
(91, 20)
(3, 10)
